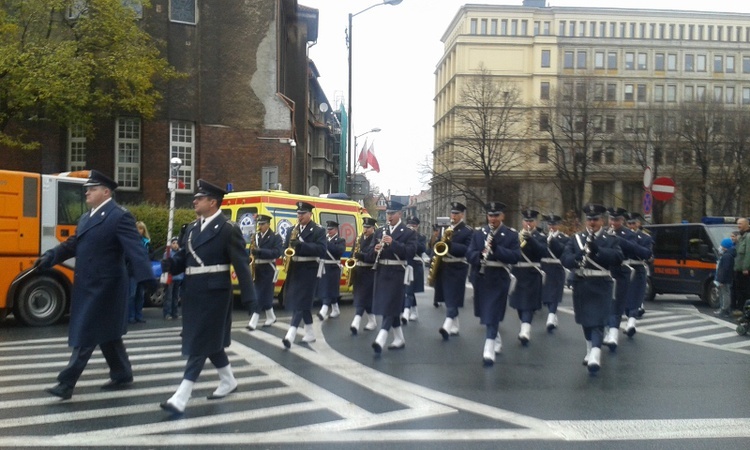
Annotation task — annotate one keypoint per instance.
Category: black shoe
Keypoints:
(61, 390)
(166, 406)
(378, 349)
(116, 385)
(445, 334)
(354, 330)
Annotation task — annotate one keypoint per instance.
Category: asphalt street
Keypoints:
(679, 383)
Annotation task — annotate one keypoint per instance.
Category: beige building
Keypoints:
(637, 65)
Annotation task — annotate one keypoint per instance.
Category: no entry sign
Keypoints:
(662, 189)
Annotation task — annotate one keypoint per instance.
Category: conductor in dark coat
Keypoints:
(396, 245)
(450, 284)
(494, 248)
(106, 237)
(591, 254)
(266, 248)
(212, 245)
(308, 240)
(527, 296)
(417, 264)
(329, 287)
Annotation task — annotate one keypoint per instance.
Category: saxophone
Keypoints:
(350, 263)
(487, 249)
(439, 250)
(289, 251)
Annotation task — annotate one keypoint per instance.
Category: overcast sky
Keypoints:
(395, 52)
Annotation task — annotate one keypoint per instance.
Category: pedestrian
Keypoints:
(171, 309)
(555, 275)
(639, 263)
(724, 277)
(450, 277)
(742, 266)
(396, 245)
(527, 297)
(591, 255)
(417, 265)
(307, 240)
(213, 245)
(266, 247)
(137, 293)
(363, 280)
(329, 285)
(493, 249)
(105, 238)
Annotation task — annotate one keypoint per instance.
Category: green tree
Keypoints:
(71, 61)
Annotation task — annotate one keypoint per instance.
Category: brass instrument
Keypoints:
(253, 246)
(439, 250)
(487, 249)
(522, 236)
(289, 251)
(351, 262)
(377, 255)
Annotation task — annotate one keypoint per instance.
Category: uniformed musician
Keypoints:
(450, 279)
(493, 249)
(417, 264)
(330, 282)
(590, 255)
(554, 282)
(623, 274)
(364, 277)
(268, 246)
(527, 297)
(638, 284)
(308, 240)
(213, 244)
(396, 245)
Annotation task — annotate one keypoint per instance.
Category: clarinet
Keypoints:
(487, 249)
(377, 255)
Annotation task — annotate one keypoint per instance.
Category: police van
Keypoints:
(685, 256)
(244, 207)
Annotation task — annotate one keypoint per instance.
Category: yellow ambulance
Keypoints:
(244, 207)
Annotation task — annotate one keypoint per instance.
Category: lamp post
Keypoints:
(374, 130)
(174, 167)
(352, 150)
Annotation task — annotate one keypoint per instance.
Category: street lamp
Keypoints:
(351, 165)
(374, 130)
(174, 167)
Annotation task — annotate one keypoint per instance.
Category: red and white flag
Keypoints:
(363, 156)
(371, 159)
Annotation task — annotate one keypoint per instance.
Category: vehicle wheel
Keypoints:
(650, 294)
(40, 302)
(741, 329)
(711, 295)
(157, 297)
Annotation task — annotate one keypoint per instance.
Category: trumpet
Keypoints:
(289, 251)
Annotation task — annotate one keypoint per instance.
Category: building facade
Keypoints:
(624, 76)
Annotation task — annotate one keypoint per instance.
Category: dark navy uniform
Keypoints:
(417, 285)
(591, 256)
(102, 244)
(267, 249)
(638, 283)
(555, 275)
(330, 283)
(450, 279)
(527, 297)
(364, 278)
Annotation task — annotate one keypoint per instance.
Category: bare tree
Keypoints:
(731, 164)
(491, 127)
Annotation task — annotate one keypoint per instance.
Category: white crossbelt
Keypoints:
(592, 273)
(364, 264)
(490, 263)
(392, 262)
(551, 261)
(305, 258)
(328, 261)
(453, 259)
(527, 264)
(635, 262)
(197, 270)
(265, 261)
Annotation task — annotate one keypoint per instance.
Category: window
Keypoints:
(483, 26)
(269, 177)
(652, 31)
(612, 29)
(700, 63)
(700, 93)
(746, 95)
(581, 60)
(493, 26)
(524, 28)
(562, 28)
(689, 94)
(514, 27)
(76, 148)
(544, 90)
(659, 93)
(182, 145)
(568, 60)
(642, 93)
(592, 28)
(718, 93)
(610, 123)
(691, 32)
(631, 35)
(128, 153)
(659, 62)
(567, 91)
(730, 64)
(622, 30)
(602, 29)
(672, 62)
(612, 60)
(629, 93)
(719, 33)
(597, 124)
(611, 92)
(504, 27)
(689, 63)
(671, 93)
(580, 91)
(700, 32)
(718, 63)
(543, 154)
(710, 36)
(545, 58)
(746, 64)
(599, 60)
(572, 28)
(599, 91)
(627, 123)
(543, 122)
(536, 28)
(629, 61)
(473, 26)
(730, 95)
(640, 123)
(642, 61)
(545, 28)
(580, 124)
(582, 29)
(185, 11)
(662, 33)
(609, 156)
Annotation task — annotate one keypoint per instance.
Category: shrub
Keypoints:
(156, 219)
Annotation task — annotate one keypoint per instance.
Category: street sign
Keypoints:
(647, 178)
(663, 189)
(647, 202)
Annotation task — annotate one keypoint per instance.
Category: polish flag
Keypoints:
(371, 159)
(363, 156)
